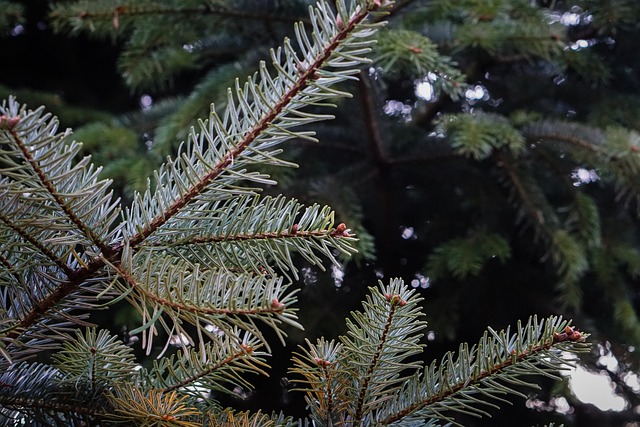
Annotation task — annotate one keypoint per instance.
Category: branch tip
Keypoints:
(9, 123)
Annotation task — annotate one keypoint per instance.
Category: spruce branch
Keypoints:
(371, 379)
(229, 418)
(466, 256)
(220, 298)
(108, 16)
(10, 14)
(259, 116)
(480, 134)
(485, 373)
(323, 373)
(371, 362)
(57, 217)
(153, 408)
(534, 209)
(404, 52)
(249, 234)
(95, 360)
(219, 365)
(34, 386)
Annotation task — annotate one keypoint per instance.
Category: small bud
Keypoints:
(9, 122)
(246, 348)
(395, 300)
(116, 15)
(339, 23)
(415, 50)
(277, 305)
(341, 231)
(294, 229)
(321, 362)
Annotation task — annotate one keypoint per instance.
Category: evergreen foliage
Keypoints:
(528, 127)
(199, 254)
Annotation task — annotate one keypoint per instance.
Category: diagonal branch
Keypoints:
(382, 341)
(53, 191)
(478, 376)
(307, 76)
(132, 10)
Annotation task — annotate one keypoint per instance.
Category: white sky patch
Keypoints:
(397, 108)
(477, 92)
(146, 101)
(582, 44)
(408, 233)
(420, 280)
(424, 90)
(570, 18)
(584, 176)
(337, 274)
(595, 388)
(632, 381)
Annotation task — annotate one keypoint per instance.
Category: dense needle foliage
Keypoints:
(489, 157)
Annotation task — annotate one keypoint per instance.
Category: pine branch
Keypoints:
(57, 217)
(230, 418)
(484, 373)
(153, 408)
(250, 234)
(218, 365)
(109, 16)
(371, 379)
(480, 134)
(567, 255)
(258, 117)
(359, 375)
(466, 256)
(33, 386)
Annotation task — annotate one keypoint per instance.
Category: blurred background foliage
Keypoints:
(490, 156)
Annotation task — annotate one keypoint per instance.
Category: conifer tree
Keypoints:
(207, 259)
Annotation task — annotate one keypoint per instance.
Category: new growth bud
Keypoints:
(341, 231)
(321, 362)
(9, 122)
(277, 305)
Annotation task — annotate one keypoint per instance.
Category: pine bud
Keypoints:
(321, 362)
(9, 122)
(277, 305)
(341, 231)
